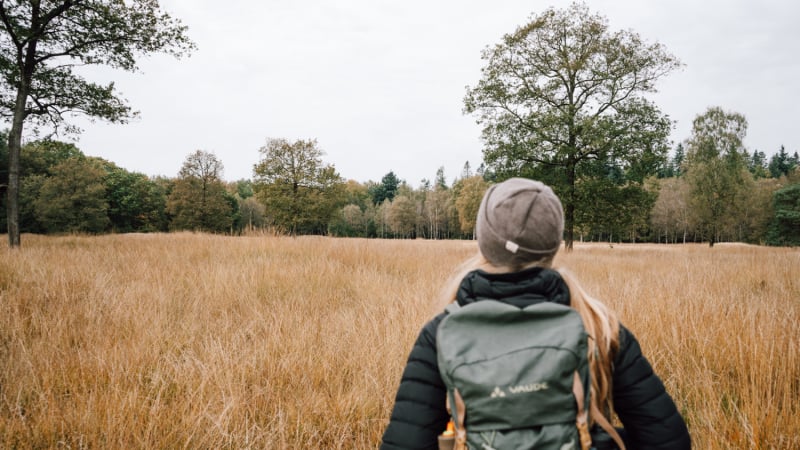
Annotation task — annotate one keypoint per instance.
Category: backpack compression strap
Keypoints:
(597, 416)
(601, 420)
(582, 418)
(460, 412)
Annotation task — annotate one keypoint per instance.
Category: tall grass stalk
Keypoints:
(197, 341)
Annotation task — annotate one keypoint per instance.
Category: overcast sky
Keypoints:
(380, 84)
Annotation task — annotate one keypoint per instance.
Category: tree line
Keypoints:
(699, 193)
(709, 189)
(292, 192)
(718, 191)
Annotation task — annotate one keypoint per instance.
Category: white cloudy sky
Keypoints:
(380, 84)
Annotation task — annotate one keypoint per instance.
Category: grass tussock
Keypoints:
(198, 341)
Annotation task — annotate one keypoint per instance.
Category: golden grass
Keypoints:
(198, 341)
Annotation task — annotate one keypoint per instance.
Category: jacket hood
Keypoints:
(521, 289)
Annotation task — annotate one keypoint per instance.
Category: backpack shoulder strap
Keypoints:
(452, 307)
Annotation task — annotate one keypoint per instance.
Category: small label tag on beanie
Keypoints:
(512, 247)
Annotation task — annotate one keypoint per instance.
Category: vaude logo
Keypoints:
(522, 388)
(497, 392)
(533, 387)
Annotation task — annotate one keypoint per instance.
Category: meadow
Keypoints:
(165, 341)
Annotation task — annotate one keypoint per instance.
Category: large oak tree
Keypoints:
(42, 42)
(563, 92)
(198, 200)
(299, 191)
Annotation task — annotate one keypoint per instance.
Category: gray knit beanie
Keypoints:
(519, 221)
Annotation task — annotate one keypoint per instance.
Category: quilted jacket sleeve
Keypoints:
(419, 413)
(647, 411)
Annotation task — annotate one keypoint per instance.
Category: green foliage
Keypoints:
(198, 199)
(357, 194)
(677, 160)
(614, 208)
(244, 189)
(717, 171)
(743, 217)
(755, 210)
(300, 193)
(252, 213)
(235, 220)
(785, 226)
(470, 194)
(135, 203)
(36, 162)
(757, 165)
(781, 164)
(563, 91)
(440, 181)
(386, 190)
(350, 221)
(39, 157)
(73, 199)
(402, 218)
(29, 190)
(671, 166)
(42, 43)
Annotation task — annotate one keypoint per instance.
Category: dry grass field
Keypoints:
(195, 341)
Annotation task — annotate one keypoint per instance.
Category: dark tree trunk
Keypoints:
(569, 212)
(14, 146)
(27, 63)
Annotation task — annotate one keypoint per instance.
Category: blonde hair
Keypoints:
(600, 322)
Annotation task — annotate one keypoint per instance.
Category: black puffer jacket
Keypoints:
(645, 408)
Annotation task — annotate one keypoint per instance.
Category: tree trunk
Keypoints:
(569, 216)
(26, 66)
(14, 147)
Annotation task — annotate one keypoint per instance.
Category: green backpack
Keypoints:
(516, 378)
